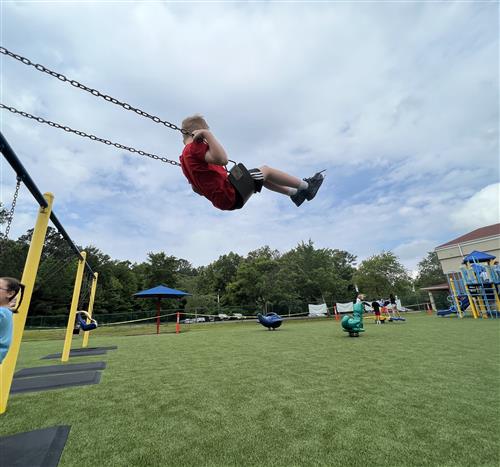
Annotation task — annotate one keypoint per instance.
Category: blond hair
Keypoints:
(195, 122)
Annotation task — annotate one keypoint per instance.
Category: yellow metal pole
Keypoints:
(497, 300)
(28, 279)
(74, 305)
(482, 306)
(455, 298)
(91, 308)
(473, 305)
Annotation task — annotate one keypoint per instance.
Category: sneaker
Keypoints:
(299, 197)
(314, 183)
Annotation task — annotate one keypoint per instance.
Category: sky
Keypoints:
(398, 101)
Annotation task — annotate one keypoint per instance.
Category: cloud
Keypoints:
(482, 208)
(399, 102)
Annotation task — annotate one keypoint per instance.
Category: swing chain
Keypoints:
(92, 91)
(10, 216)
(90, 136)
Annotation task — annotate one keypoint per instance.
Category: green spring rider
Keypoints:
(354, 324)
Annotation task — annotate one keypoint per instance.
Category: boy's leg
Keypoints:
(288, 185)
(277, 177)
(277, 188)
(298, 190)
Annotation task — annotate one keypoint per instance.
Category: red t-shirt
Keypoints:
(209, 180)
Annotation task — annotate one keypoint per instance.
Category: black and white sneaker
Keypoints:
(314, 183)
(299, 197)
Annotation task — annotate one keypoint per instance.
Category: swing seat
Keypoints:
(242, 181)
(82, 323)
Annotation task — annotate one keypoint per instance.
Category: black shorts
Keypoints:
(258, 183)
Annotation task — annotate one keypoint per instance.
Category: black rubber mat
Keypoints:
(78, 353)
(110, 347)
(38, 448)
(48, 382)
(54, 369)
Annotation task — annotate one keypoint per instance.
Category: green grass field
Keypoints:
(424, 392)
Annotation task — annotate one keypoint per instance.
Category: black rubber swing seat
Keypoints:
(242, 181)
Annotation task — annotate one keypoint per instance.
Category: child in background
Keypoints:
(376, 310)
(394, 306)
(9, 288)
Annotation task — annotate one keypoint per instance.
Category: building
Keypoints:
(451, 254)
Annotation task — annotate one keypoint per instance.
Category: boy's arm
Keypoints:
(216, 154)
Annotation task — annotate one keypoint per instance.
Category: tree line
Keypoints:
(264, 279)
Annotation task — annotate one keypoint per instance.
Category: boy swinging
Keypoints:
(203, 163)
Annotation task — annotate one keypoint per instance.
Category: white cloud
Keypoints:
(482, 208)
(398, 101)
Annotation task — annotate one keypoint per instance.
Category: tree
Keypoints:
(161, 269)
(381, 275)
(254, 282)
(215, 277)
(317, 274)
(4, 215)
(429, 271)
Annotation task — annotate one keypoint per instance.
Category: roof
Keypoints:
(161, 291)
(483, 232)
(433, 288)
(478, 257)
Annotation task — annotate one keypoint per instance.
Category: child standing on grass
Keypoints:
(376, 310)
(394, 306)
(203, 160)
(9, 288)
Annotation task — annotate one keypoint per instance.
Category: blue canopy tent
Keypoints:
(159, 292)
(478, 257)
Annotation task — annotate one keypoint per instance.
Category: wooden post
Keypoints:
(158, 316)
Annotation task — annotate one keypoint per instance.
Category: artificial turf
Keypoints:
(423, 392)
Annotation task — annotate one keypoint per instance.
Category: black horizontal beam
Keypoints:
(25, 178)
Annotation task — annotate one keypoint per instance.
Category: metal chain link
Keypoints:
(90, 136)
(92, 91)
(10, 216)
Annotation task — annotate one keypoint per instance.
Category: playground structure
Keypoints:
(453, 310)
(354, 324)
(475, 288)
(29, 275)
